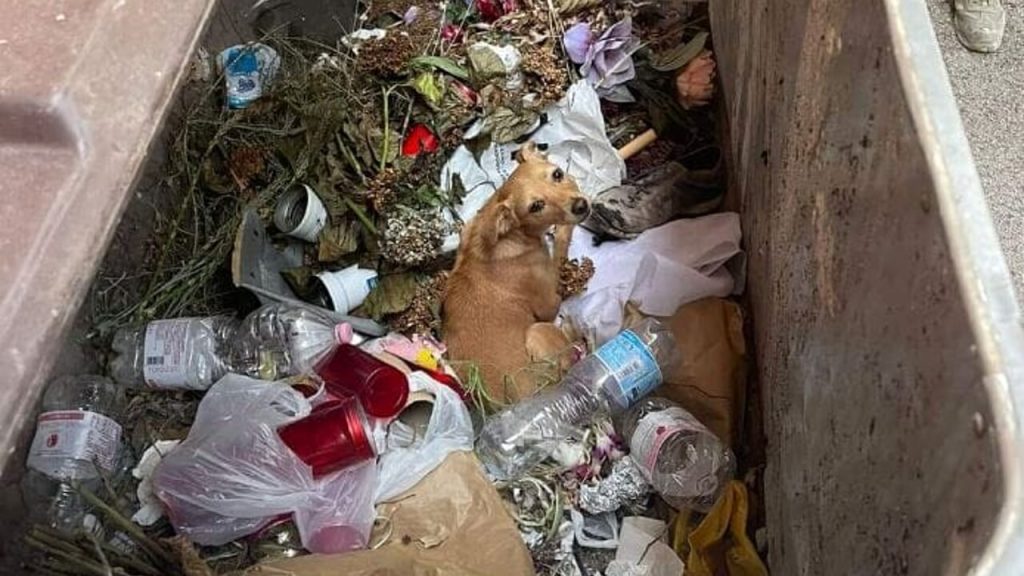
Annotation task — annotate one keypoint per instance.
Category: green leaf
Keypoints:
(392, 295)
(441, 63)
(430, 87)
(679, 56)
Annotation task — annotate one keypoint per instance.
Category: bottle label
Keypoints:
(651, 432)
(632, 364)
(165, 354)
(63, 435)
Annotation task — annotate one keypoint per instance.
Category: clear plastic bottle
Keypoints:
(685, 462)
(610, 380)
(77, 435)
(281, 340)
(175, 354)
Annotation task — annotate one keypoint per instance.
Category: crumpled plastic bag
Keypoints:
(449, 430)
(576, 139)
(233, 474)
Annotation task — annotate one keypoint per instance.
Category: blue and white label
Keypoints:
(247, 69)
(632, 365)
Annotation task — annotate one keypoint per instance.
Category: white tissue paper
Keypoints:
(660, 270)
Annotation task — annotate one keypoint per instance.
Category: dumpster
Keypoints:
(886, 333)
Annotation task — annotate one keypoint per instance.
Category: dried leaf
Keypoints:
(298, 279)
(338, 241)
(393, 294)
(507, 125)
(191, 563)
(570, 6)
(681, 55)
(444, 64)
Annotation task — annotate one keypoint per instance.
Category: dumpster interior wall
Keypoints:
(881, 456)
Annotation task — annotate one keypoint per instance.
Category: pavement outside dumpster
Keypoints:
(989, 89)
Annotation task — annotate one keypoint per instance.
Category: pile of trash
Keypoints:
(323, 429)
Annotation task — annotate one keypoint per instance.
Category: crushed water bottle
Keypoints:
(281, 340)
(610, 380)
(176, 354)
(77, 440)
(685, 462)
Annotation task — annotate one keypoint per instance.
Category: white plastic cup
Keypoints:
(348, 288)
(300, 213)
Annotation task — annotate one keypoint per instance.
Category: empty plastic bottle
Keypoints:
(684, 461)
(176, 354)
(77, 437)
(281, 340)
(610, 380)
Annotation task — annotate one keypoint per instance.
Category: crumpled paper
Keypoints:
(661, 270)
(453, 523)
(623, 486)
(575, 135)
(642, 551)
(150, 508)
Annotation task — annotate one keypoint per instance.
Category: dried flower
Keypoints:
(410, 15)
(542, 63)
(574, 276)
(380, 191)
(607, 63)
(695, 82)
(419, 140)
(451, 33)
(491, 10)
(413, 238)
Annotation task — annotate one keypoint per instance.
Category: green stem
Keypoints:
(360, 214)
(86, 567)
(387, 128)
(129, 527)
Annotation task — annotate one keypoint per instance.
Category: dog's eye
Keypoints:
(558, 175)
(537, 206)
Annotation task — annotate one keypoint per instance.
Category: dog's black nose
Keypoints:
(580, 206)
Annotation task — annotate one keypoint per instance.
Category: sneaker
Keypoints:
(979, 24)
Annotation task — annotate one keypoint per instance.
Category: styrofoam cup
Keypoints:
(300, 213)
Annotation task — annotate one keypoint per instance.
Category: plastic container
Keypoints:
(684, 461)
(280, 340)
(344, 290)
(612, 379)
(381, 388)
(334, 436)
(77, 436)
(176, 354)
(300, 213)
(248, 70)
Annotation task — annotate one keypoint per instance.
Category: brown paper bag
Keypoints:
(710, 382)
(452, 523)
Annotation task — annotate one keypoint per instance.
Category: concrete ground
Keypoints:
(990, 91)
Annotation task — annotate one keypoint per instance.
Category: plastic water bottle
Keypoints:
(684, 461)
(77, 437)
(177, 354)
(610, 380)
(281, 340)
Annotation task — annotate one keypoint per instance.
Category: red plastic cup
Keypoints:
(334, 436)
(381, 388)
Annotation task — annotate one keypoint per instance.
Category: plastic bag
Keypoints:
(449, 429)
(233, 474)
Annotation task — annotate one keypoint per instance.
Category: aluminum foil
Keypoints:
(624, 486)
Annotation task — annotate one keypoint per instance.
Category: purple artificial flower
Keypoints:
(606, 63)
(411, 14)
(578, 41)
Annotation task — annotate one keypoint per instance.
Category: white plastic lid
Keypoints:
(313, 219)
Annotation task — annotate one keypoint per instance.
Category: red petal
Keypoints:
(420, 139)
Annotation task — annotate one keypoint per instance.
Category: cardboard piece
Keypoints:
(710, 382)
(453, 523)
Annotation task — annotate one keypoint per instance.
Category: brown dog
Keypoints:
(502, 295)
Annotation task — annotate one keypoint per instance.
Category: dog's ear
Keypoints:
(505, 221)
(529, 153)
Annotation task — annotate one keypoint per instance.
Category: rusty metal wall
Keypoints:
(889, 405)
